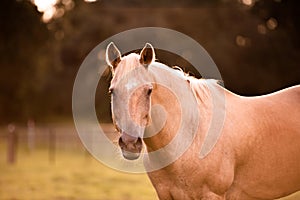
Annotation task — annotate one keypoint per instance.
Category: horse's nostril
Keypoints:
(139, 140)
(121, 143)
(139, 143)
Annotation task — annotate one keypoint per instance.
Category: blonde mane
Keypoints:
(199, 87)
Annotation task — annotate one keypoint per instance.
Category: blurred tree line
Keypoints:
(255, 44)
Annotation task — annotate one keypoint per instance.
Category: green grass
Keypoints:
(73, 176)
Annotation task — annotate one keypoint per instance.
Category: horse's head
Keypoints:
(130, 90)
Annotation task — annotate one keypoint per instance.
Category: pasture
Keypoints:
(73, 175)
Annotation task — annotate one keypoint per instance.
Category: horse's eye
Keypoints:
(149, 91)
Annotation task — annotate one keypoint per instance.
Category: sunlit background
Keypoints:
(255, 44)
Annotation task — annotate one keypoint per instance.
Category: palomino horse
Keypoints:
(256, 156)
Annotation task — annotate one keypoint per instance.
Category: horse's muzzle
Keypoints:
(131, 146)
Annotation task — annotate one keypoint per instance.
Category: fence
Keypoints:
(54, 137)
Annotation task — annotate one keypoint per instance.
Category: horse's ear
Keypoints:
(147, 55)
(113, 56)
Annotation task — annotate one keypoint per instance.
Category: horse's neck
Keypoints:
(175, 111)
(185, 111)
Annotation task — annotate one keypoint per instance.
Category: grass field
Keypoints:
(74, 175)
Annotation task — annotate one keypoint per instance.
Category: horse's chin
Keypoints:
(130, 156)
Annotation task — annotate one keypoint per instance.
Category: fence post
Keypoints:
(52, 146)
(31, 135)
(12, 140)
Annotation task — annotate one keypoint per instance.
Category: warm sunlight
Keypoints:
(248, 2)
(47, 7)
(43, 5)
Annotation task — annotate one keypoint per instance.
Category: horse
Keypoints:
(255, 157)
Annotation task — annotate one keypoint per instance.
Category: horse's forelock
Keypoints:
(127, 64)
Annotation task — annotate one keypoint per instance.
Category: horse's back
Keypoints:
(295, 94)
(271, 158)
(289, 100)
(283, 107)
(291, 93)
(286, 104)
